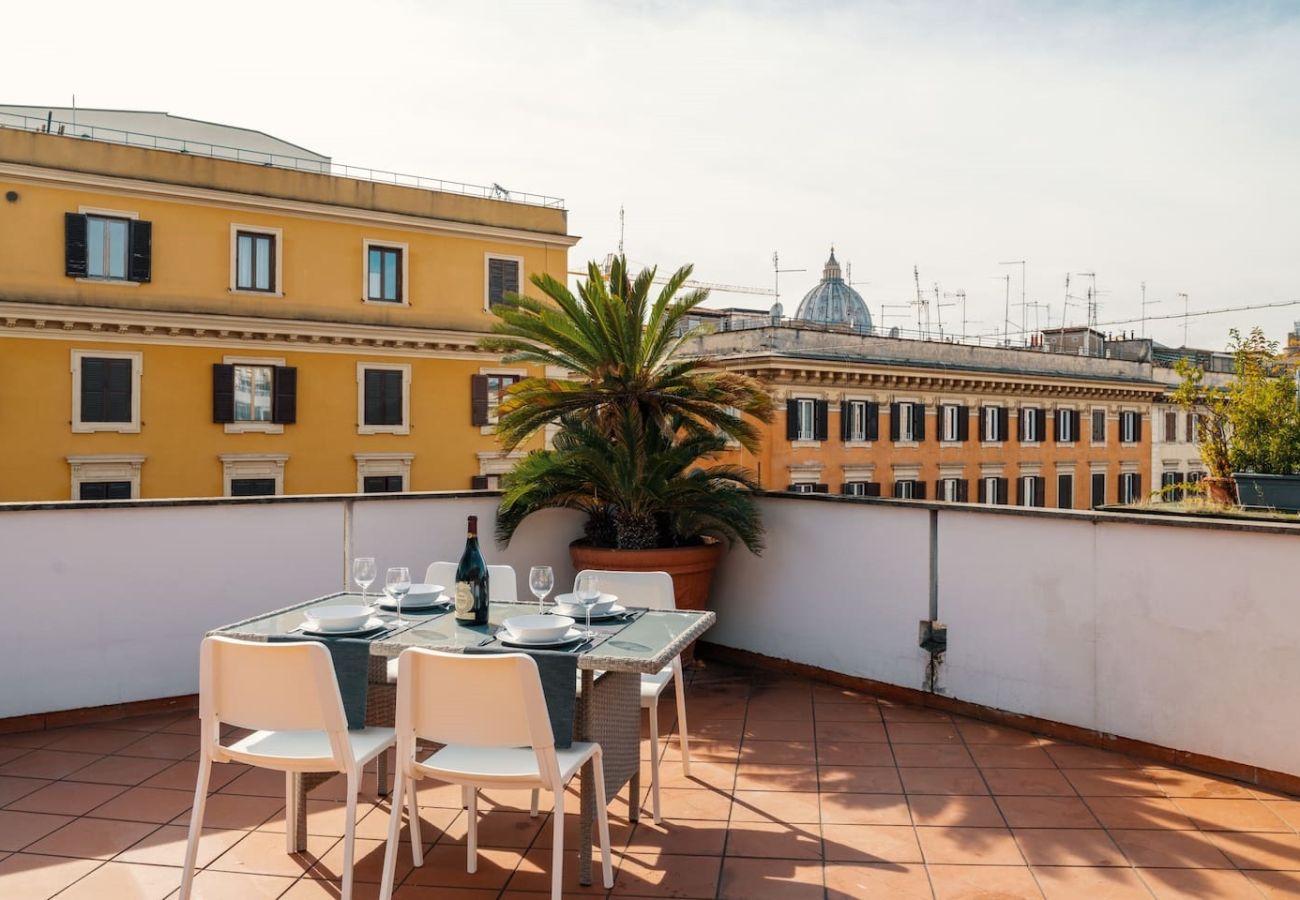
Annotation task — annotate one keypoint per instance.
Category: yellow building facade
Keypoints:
(173, 325)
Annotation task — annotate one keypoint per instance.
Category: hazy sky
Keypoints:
(1140, 141)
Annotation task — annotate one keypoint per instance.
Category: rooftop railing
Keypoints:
(314, 165)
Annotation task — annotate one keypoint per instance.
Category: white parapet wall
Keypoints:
(1181, 634)
(108, 605)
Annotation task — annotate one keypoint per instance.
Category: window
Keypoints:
(1130, 427)
(906, 422)
(1193, 428)
(1098, 489)
(385, 272)
(107, 246)
(1067, 426)
(855, 424)
(1030, 425)
(1031, 490)
(255, 259)
(1130, 487)
(106, 391)
(806, 487)
(855, 488)
(909, 489)
(995, 424)
(1099, 426)
(1195, 477)
(1065, 490)
(806, 419)
(954, 423)
(806, 414)
(1171, 427)
(906, 426)
(383, 398)
(253, 474)
(501, 278)
(254, 394)
(486, 391)
(993, 490)
(952, 490)
(1171, 486)
(105, 490)
(382, 484)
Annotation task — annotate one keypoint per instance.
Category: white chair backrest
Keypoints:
(479, 700)
(501, 580)
(653, 590)
(269, 687)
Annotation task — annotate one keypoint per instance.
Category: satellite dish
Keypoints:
(893, 332)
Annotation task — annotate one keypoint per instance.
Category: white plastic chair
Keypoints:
(288, 696)
(489, 712)
(653, 590)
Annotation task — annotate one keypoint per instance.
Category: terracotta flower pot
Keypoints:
(1220, 491)
(691, 568)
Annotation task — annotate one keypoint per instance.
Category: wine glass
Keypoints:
(588, 590)
(541, 581)
(396, 583)
(363, 573)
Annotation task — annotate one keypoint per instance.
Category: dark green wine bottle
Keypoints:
(472, 581)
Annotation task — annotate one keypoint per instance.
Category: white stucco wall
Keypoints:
(1184, 637)
(101, 606)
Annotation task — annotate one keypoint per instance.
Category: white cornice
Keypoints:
(305, 209)
(40, 320)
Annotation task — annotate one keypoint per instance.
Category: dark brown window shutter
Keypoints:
(963, 490)
(982, 491)
(140, 258)
(1098, 489)
(74, 245)
(846, 419)
(963, 423)
(1119, 488)
(284, 403)
(1040, 490)
(873, 423)
(1076, 420)
(1004, 423)
(1065, 491)
(893, 424)
(223, 393)
(821, 420)
(478, 483)
(383, 397)
(1002, 491)
(1137, 427)
(792, 420)
(821, 488)
(918, 490)
(1020, 425)
(918, 424)
(1020, 492)
(873, 488)
(503, 278)
(478, 399)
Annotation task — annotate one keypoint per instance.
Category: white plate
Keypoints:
(570, 601)
(369, 625)
(420, 591)
(573, 634)
(409, 603)
(578, 614)
(537, 628)
(334, 619)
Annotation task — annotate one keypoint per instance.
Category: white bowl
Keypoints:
(538, 628)
(571, 606)
(424, 593)
(338, 618)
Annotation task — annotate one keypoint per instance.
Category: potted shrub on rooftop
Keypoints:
(639, 426)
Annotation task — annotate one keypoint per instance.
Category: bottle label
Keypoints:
(464, 600)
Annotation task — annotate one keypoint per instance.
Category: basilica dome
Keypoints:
(833, 302)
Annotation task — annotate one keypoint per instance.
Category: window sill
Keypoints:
(1065, 445)
(110, 427)
(991, 445)
(1128, 445)
(1097, 444)
(254, 428)
(94, 279)
(248, 292)
(375, 301)
(383, 429)
(858, 445)
(1032, 445)
(487, 429)
(951, 445)
(806, 445)
(907, 445)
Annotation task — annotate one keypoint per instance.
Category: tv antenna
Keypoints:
(1145, 304)
(939, 306)
(922, 304)
(1021, 263)
(1185, 316)
(620, 229)
(1092, 297)
(960, 295)
(1006, 306)
(776, 275)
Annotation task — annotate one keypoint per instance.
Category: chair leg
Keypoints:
(681, 716)
(350, 834)
(557, 847)
(533, 808)
(381, 774)
(290, 812)
(602, 819)
(654, 761)
(413, 813)
(394, 833)
(471, 832)
(196, 826)
(465, 796)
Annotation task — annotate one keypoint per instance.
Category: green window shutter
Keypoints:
(75, 263)
(223, 393)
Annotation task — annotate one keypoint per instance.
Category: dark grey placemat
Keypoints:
(351, 657)
(559, 674)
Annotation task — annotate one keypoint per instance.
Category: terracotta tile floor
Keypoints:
(798, 790)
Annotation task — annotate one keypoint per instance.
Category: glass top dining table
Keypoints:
(644, 642)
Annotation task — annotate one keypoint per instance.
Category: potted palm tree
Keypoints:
(639, 426)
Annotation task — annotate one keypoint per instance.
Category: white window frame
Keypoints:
(809, 404)
(137, 371)
(855, 489)
(951, 417)
(906, 422)
(278, 234)
(405, 426)
(491, 427)
(803, 487)
(1035, 416)
(105, 467)
(1195, 428)
(857, 420)
(1065, 423)
(1105, 431)
(906, 489)
(1028, 490)
(383, 464)
(404, 295)
(252, 465)
(1127, 494)
(102, 213)
(256, 427)
(487, 260)
(990, 416)
(1127, 435)
(948, 489)
(990, 489)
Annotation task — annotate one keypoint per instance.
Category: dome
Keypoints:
(833, 302)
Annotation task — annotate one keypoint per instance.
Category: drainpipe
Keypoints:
(933, 638)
